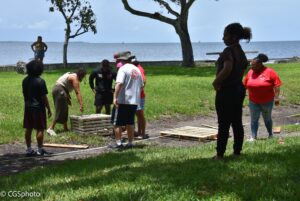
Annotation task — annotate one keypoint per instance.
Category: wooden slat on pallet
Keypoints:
(66, 146)
(199, 133)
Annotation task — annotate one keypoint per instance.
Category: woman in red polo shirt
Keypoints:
(263, 85)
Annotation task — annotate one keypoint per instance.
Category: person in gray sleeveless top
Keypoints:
(61, 97)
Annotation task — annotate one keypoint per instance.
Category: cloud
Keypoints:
(38, 25)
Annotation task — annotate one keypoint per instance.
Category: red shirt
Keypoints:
(144, 79)
(261, 85)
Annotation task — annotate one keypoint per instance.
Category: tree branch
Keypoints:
(74, 9)
(77, 33)
(168, 7)
(188, 5)
(156, 16)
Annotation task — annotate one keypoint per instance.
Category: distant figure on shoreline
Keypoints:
(39, 48)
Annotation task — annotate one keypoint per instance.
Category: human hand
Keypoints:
(216, 85)
(81, 108)
(115, 102)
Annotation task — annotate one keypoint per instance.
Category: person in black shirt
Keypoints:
(230, 91)
(35, 101)
(103, 86)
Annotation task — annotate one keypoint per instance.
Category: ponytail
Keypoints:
(247, 33)
(240, 32)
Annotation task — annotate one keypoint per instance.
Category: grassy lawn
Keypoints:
(170, 91)
(266, 171)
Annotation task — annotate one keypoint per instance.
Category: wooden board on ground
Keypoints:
(190, 132)
(276, 130)
(66, 146)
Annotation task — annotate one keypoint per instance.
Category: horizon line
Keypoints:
(145, 42)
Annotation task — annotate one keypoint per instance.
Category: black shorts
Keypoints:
(34, 119)
(123, 115)
(103, 98)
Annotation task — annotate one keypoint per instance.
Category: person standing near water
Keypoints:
(39, 48)
(230, 91)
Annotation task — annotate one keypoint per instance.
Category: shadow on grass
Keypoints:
(253, 176)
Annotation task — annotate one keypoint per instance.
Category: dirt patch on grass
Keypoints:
(13, 160)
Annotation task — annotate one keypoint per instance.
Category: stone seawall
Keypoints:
(72, 66)
(97, 64)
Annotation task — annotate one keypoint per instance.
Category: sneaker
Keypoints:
(217, 158)
(116, 146)
(251, 139)
(43, 152)
(31, 153)
(51, 132)
(146, 136)
(143, 137)
(128, 146)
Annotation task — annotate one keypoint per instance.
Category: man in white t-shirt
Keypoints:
(128, 87)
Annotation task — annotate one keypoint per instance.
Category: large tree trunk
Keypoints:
(66, 43)
(186, 45)
(65, 60)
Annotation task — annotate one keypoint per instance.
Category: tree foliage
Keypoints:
(79, 13)
(79, 18)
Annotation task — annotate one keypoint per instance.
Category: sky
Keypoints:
(270, 20)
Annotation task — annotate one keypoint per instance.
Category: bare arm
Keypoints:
(46, 47)
(116, 93)
(32, 45)
(46, 102)
(222, 75)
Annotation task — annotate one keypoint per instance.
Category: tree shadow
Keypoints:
(250, 177)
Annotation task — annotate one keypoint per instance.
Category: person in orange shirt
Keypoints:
(141, 120)
(263, 85)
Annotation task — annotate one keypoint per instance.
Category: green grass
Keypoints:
(170, 91)
(267, 171)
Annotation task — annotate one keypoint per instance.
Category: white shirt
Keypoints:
(131, 79)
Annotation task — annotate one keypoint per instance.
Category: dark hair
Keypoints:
(135, 61)
(237, 30)
(262, 58)
(81, 73)
(105, 63)
(35, 68)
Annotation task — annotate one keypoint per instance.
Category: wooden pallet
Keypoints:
(91, 124)
(277, 130)
(190, 132)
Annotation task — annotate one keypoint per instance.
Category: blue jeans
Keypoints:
(266, 110)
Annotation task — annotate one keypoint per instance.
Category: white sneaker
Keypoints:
(51, 132)
(251, 139)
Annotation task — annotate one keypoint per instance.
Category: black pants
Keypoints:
(229, 106)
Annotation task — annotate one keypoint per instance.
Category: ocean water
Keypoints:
(12, 52)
